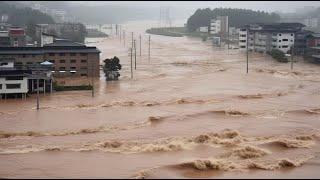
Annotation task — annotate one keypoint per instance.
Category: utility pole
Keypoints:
(135, 55)
(149, 48)
(140, 44)
(38, 73)
(247, 51)
(131, 62)
(120, 33)
(131, 39)
(124, 38)
(292, 57)
(92, 80)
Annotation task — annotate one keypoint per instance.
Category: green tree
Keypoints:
(278, 55)
(111, 68)
(237, 17)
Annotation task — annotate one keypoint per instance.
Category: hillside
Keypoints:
(20, 16)
(237, 17)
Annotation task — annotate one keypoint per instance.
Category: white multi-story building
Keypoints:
(215, 26)
(282, 41)
(243, 38)
(203, 29)
(12, 81)
(219, 25)
(264, 38)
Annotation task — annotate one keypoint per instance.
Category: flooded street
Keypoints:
(189, 112)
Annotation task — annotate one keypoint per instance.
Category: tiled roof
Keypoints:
(64, 42)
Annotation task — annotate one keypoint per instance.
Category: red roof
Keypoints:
(16, 32)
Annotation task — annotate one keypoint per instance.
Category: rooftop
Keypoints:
(64, 42)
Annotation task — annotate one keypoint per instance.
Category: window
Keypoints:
(291, 34)
(52, 61)
(84, 75)
(83, 68)
(3, 64)
(83, 54)
(243, 41)
(73, 54)
(62, 61)
(279, 46)
(29, 63)
(51, 54)
(243, 35)
(279, 40)
(284, 46)
(73, 68)
(0, 86)
(62, 54)
(62, 68)
(242, 46)
(274, 46)
(18, 63)
(285, 39)
(33, 55)
(73, 61)
(84, 61)
(13, 86)
(24, 56)
(279, 34)
(14, 78)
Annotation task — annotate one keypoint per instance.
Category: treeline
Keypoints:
(22, 16)
(237, 17)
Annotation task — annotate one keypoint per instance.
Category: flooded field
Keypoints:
(189, 112)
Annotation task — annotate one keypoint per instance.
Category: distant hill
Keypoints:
(237, 17)
(20, 16)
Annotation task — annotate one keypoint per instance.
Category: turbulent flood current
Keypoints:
(191, 111)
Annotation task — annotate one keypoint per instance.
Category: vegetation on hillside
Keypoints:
(237, 17)
(23, 16)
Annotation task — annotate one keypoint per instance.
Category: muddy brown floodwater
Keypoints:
(191, 112)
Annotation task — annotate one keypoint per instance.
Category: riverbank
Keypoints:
(176, 32)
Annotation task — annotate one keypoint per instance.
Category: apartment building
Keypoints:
(265, 37)
(68, 58)
(12, 36)
(220, 25)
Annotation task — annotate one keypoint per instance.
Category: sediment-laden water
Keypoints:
(189, 112)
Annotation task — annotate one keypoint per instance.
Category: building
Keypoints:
(13, 81)
(17, 37)
(313, 48)
(12, 36)
(203, 29)
(215, 26)
(46, 39)
(65, 30)
(265, 37)
(220, 25)
(21, 80)
(68, 58)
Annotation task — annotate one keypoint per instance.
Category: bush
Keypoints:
(111, 68)
(278, 55)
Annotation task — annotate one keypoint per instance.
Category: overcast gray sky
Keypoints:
(270, 6)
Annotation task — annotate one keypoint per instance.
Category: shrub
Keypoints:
(278, 55)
